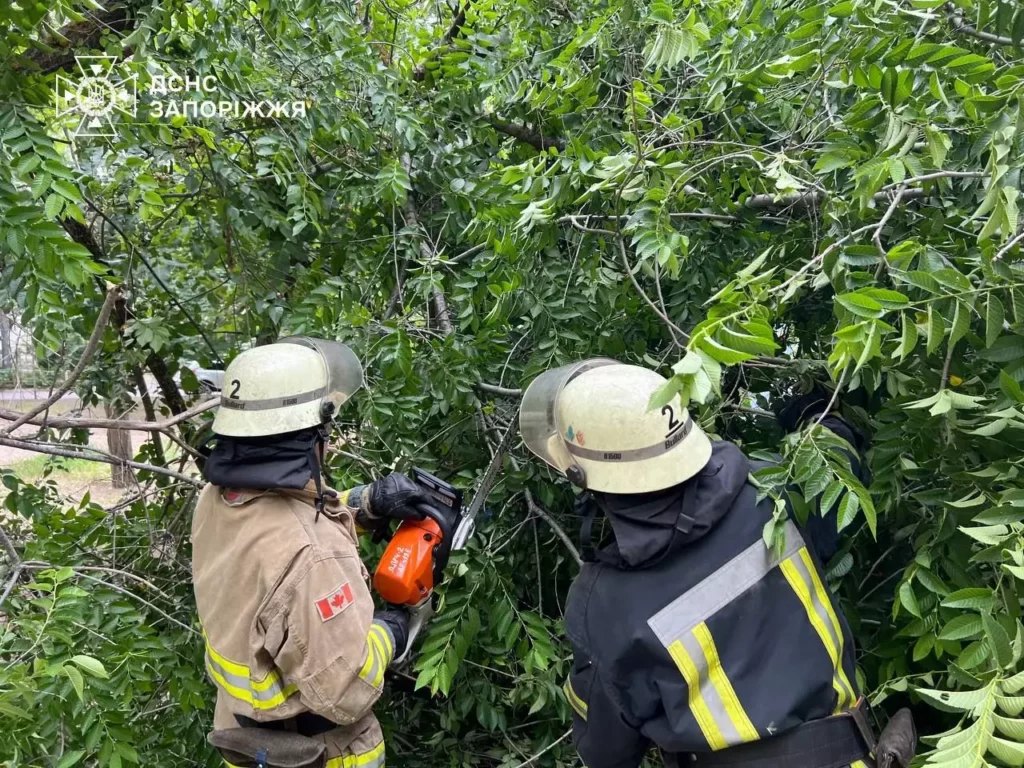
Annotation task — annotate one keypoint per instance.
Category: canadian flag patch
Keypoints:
(331, 605)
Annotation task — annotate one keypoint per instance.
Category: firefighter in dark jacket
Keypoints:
(687, 632)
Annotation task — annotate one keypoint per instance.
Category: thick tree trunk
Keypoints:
(119, 443)
(6, 350)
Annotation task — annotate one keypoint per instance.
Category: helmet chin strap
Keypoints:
(323, 433)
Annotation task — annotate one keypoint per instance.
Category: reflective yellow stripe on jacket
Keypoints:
(373, 758)
(235, 680)
(380, 649)
(803, 578)
(578, 704)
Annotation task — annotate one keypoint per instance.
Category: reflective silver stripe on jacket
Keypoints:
(270, 404)
(269, 693)
(635, 454)
(719, 589)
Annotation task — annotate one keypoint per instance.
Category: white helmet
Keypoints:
(591, 422)
(293, 384)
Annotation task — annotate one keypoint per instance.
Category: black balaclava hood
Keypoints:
(647, 525)
(264, 463)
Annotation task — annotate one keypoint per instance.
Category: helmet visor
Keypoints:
(344, 371)
(538, 423)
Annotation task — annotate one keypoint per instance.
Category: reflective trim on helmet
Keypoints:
(635, 454)
(273, 402)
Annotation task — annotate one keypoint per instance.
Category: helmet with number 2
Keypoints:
(591, 422)
(295, 383)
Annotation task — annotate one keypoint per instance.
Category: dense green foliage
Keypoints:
(763, 193)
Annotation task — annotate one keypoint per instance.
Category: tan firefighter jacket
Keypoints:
(287, 616)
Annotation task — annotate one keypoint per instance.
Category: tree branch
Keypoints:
(877, 237)
(98, 456)
(437, 299)
(73, 38)
(966, 29)
(494, 389)
(546, 516)
(134, 250)
(673, 328)
(1008, 247)
(55, 422)
(90, 349)
(535, 139)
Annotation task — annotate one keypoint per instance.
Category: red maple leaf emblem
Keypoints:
(337, 601)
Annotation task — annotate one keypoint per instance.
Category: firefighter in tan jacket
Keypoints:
(293, 643)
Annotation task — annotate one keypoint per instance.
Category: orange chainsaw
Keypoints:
(417, 554)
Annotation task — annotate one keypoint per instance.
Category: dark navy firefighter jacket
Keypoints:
(714, 643)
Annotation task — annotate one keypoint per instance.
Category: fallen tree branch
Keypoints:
(56, 422)
(90, 349)
(535, 139)
(760, 412)
(494, 389)
(1008, 247)
(93, 455)
(437, 300)
(546, 516)
(962, 28)
(546, 749)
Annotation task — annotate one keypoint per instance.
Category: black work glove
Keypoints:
(397, 622)
(393, 498)
(898, 743)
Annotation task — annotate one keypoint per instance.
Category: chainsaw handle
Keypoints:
(444, 549)
(419, 615)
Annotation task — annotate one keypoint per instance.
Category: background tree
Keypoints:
(749, 195)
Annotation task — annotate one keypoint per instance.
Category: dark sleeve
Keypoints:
(822, 530)
(603, 735)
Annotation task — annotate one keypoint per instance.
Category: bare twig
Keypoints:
(673, 328)
(835, 397)
(546, 516)
(877, 237)
(546, 749)
(1008, 247)
(935, 175)
(54, 422)
(15, 575)
(821, 256)
(748, 410)
(945, 367)
(90, 349)
(8, 545)
(92, 455)
(38, 565)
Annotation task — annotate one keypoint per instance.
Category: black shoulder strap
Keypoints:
(590, 510)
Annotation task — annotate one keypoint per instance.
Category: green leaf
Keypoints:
(998, 640)
(54, 205)
(68, 190)
(69, 759)
(1005, 349)
(77, 682)
(961, 701)
(908, 599)
(848, 510)
(974, 598)
(93, 666)
(908, 338)
(829, 497)
(1010, 387)
(861, 305)
(962, 627)
(994, 316)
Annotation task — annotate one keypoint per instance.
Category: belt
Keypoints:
(304, 724)
(833, 742)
